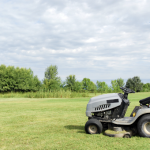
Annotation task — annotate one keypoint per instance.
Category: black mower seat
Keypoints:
(145, 101)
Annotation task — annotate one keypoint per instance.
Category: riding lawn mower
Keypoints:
(107, 113)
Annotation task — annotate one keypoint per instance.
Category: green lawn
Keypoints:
(57, 124)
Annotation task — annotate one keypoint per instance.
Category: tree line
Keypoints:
(18, 79)
(23, 80)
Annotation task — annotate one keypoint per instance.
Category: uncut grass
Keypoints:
(57, 124)
(41, 94)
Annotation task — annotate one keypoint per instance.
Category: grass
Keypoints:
(57, 123)
(41, 94)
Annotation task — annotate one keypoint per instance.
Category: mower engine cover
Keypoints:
(102, 103)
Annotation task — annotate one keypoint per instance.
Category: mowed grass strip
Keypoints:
(57, 124)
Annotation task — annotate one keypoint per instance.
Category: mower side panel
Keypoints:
(131, 120)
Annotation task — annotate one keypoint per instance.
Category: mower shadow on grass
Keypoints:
(75, 127)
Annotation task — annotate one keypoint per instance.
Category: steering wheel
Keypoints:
(126, 90)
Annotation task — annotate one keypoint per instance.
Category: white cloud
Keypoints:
(94, 39)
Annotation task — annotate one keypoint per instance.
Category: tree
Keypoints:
(70, 82)
(62, 84)
(51, 72)
(18, 79)
(78, 86)
(134, 84)
(146, 87)
(102, 86)
(51, 80)
(3, 79)
(116, 84)
(51, 84)
(88, 85)
(120, 82)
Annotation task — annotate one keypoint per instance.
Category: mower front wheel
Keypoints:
(93, 126)
(143, 126)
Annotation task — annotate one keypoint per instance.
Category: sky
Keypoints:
(100, 40)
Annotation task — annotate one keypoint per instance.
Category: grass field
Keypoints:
(57, 124)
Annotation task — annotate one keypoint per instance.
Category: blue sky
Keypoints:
(93, 39)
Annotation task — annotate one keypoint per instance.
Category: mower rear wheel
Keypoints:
(143, 126)
(93, 126)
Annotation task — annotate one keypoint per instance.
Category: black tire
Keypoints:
(143, 126)
(93, 126)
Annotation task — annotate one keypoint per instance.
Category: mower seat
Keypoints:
(145, 101)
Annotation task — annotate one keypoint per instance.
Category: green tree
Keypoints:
(120, 82)
(102, 87)
(51, 80)
(116, 84)
(146, 87)
(18, 79)
(51, 84)
(62, 84)
(78, 86)
(3, 79)
(51, 72)
(25, 80)
(134, 84)
(88, 85)
(71, 82)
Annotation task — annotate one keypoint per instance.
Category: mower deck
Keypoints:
(120, 134)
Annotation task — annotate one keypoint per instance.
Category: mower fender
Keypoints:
(141, 112)
(131, 120)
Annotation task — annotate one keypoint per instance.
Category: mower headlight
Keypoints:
(134, 114)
